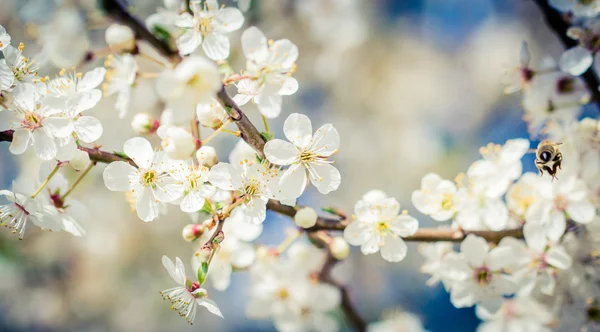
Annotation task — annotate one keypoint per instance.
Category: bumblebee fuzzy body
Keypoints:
(548, 158)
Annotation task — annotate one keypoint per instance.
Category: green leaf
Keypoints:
(267, 135)
(202, 272)
(329, 210)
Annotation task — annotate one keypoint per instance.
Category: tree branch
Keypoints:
(422, 235)
(95, 153)
(559, 25)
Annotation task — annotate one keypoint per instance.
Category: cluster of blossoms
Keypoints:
(554, 223)
(517, 284)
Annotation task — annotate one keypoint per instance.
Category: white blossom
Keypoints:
(434, 254)
(400, 321)
(188, 294)
(268, 71)
(378, 226)
(195, 80)
(475, 274)
(251, 180)
(4, 38)
(149, 183)
(207, 26)
(438, 198)
(519, 314)
(305, 153)
(537, 263)
(194, 180)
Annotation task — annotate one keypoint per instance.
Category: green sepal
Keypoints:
(267, 135)
(219, 205)
(161, 32)
(225, 69)
(121, 154)
(206, 208)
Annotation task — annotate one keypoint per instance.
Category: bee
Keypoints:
(548, 158)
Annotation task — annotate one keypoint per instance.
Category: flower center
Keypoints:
(382, 227)
(204, 25)
(32, 121)
(149, 178)
(565, 85)
(561, 202)
(283, 294)
(251, 188)
(307, 156)
(447, 203)
(483, 275)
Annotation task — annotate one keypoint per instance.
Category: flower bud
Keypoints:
(80, 160)
(219, 238)
(305, 217)
(144, 124)
(192, 232)
(339, 248)
(177, 142)
(120, 38)
(207, 156)
(211, 115)
(203, 254)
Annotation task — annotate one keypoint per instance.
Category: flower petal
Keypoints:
(228, 19)
(576, 60)
(210, 305)
(44, 144)
(88, 129)
(20, 141)
(91, 79)
(117, 176)
(280, 152)
(216, 46)
(326, 140)
(140, 150)
(298, 129)
(325, 177)
(254, 44)
(475, 249)
(146, 205)
(293, 181)
(225, 176)
(558, 257)
(189, 42)
(393, 249)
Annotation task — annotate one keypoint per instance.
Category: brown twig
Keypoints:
(94, 153)
(325, 276)
(559, 25)
(118, 11)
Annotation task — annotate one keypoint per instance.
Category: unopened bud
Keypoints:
(80, 160)
(192, 232)
(120, 38)
(339, 248)
(306, 217)
(219, 238)
(203, 254)
(207, 156)
(144, 124)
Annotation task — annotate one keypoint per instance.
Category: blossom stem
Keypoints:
(265, 123)
(195, 129)
(292, 236)
(85, 172)
(152, 59)
(46, 181)
(214, 134)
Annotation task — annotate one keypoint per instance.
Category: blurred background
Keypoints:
(412, 86)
